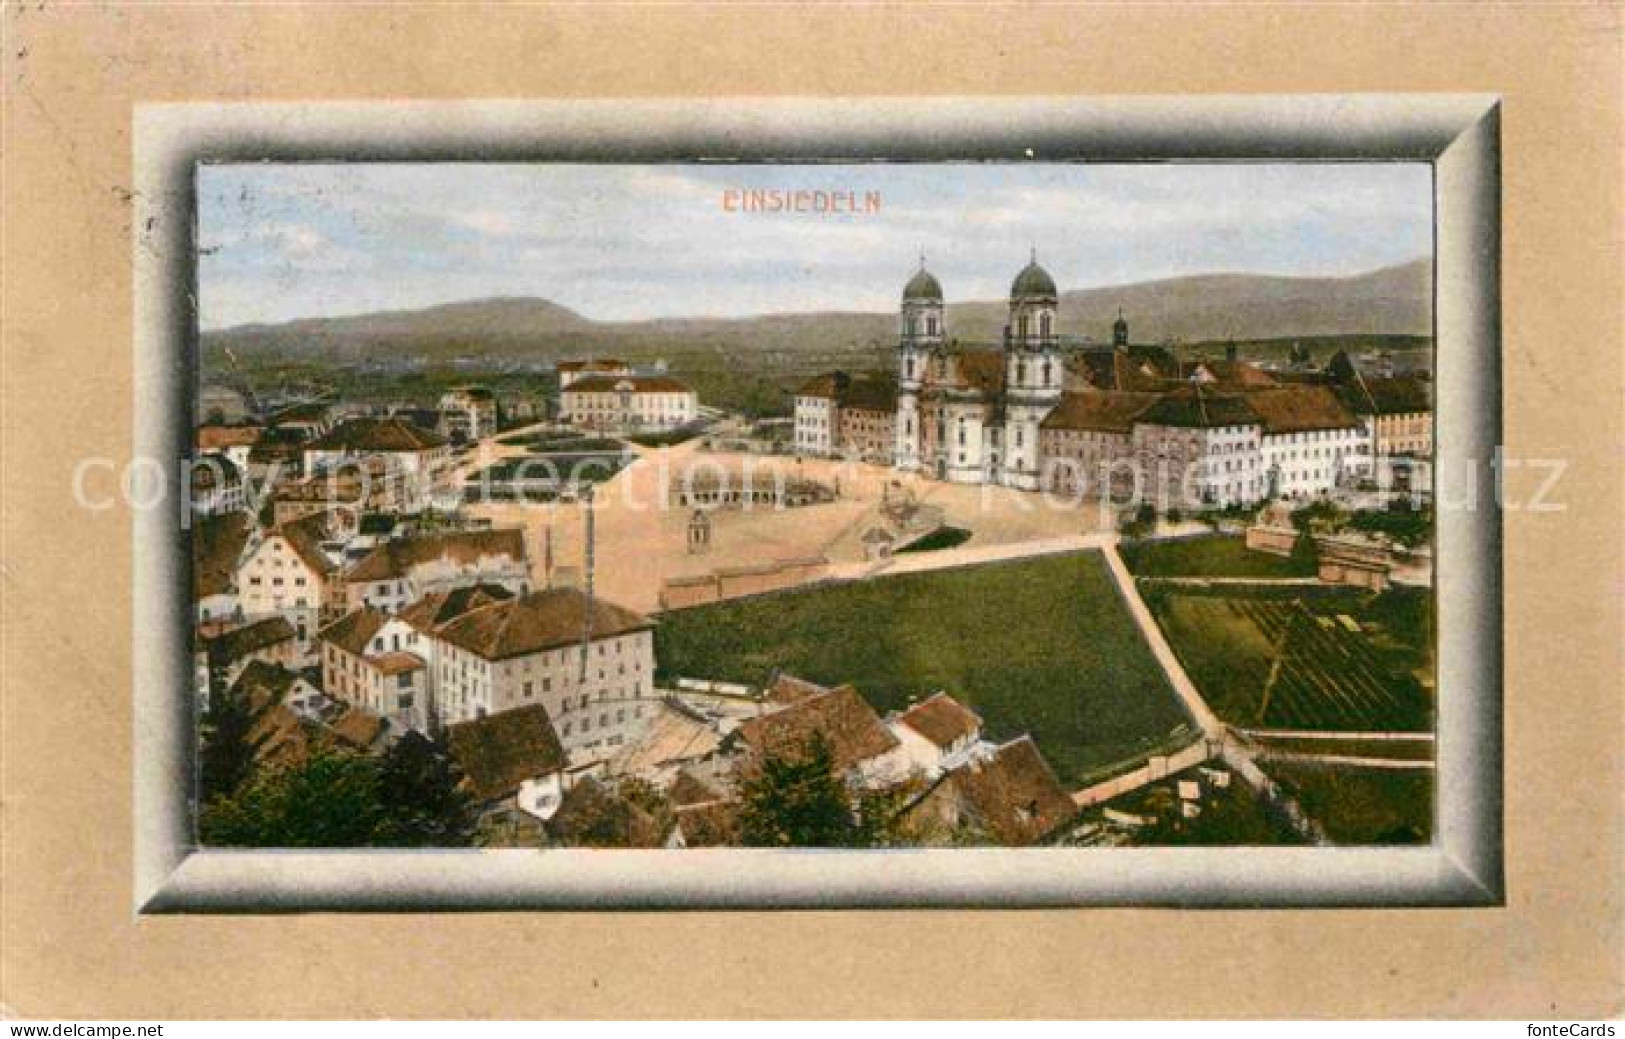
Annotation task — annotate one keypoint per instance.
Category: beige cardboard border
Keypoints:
(1458, 134)
(70, 944)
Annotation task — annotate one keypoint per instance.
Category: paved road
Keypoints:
(1197, 707)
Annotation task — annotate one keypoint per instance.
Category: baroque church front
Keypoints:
(969, 415)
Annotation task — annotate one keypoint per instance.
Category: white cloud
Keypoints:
(639, 241)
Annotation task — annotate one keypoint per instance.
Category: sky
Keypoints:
(280, 241)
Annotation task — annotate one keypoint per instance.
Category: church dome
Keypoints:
(923, 286)
(1033, 281)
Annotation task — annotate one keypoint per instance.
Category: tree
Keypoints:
(329, 800)
(796, 800)
(226, 756)
(420, 790)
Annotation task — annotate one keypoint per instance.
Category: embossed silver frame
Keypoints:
(1457, 134)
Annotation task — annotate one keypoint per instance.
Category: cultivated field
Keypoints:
(1042, 646)
(1289, 659)
(1205, 556)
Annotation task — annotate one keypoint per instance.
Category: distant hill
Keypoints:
(1209, 307)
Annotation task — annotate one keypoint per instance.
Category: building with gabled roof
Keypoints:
(572, 370)
(627, 403)
(936, 732)
(418, 457)
(505, 756)
(288, 571)
(488, 650)
(380, 664)
(218, 543)
(707, 824)
(398, 572)
(1008, 796)
(222, 657)
(860, 744)
(468, 412)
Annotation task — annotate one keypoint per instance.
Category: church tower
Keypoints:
(1033, 373)
(921, 334)
(1120, 331)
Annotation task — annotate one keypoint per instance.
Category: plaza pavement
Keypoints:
(641, 542)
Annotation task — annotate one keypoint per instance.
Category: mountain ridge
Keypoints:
(1392, 300)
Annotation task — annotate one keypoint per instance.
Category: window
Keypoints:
(403, 681)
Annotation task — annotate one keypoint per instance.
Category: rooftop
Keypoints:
(395, 559)
(381, 435)
(542, 620)
(842, 716)
(499, 752)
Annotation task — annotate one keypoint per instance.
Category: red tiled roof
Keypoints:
(1105, 411)
(251, 638)
(788, 689)
(398, 662)
(358, 728)
(539, 621)
(437, 608)
(499, 752)
(395, 559)
(304, 536)
(594, 815)
(1230, 375)
(377, 435)
(689, 789)
(942, 720)
(213, 438)
(1013, 796)
(710, 824)
(217, 544)
(1296, 408)
(1198, 407)
(639, 384)
(354, 631)
(978, 369)
(844, 718)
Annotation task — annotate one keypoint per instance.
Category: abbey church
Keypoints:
(1035, 414)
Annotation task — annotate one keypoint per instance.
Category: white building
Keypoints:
(379, 663)
(287, 572)
(399, 572)
(484, 650)
(628, 403)
(936, 734)
(973, 416)
(1312, 444)
(418, 458)
(216, 485)
(469, 411)
(570, 371)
